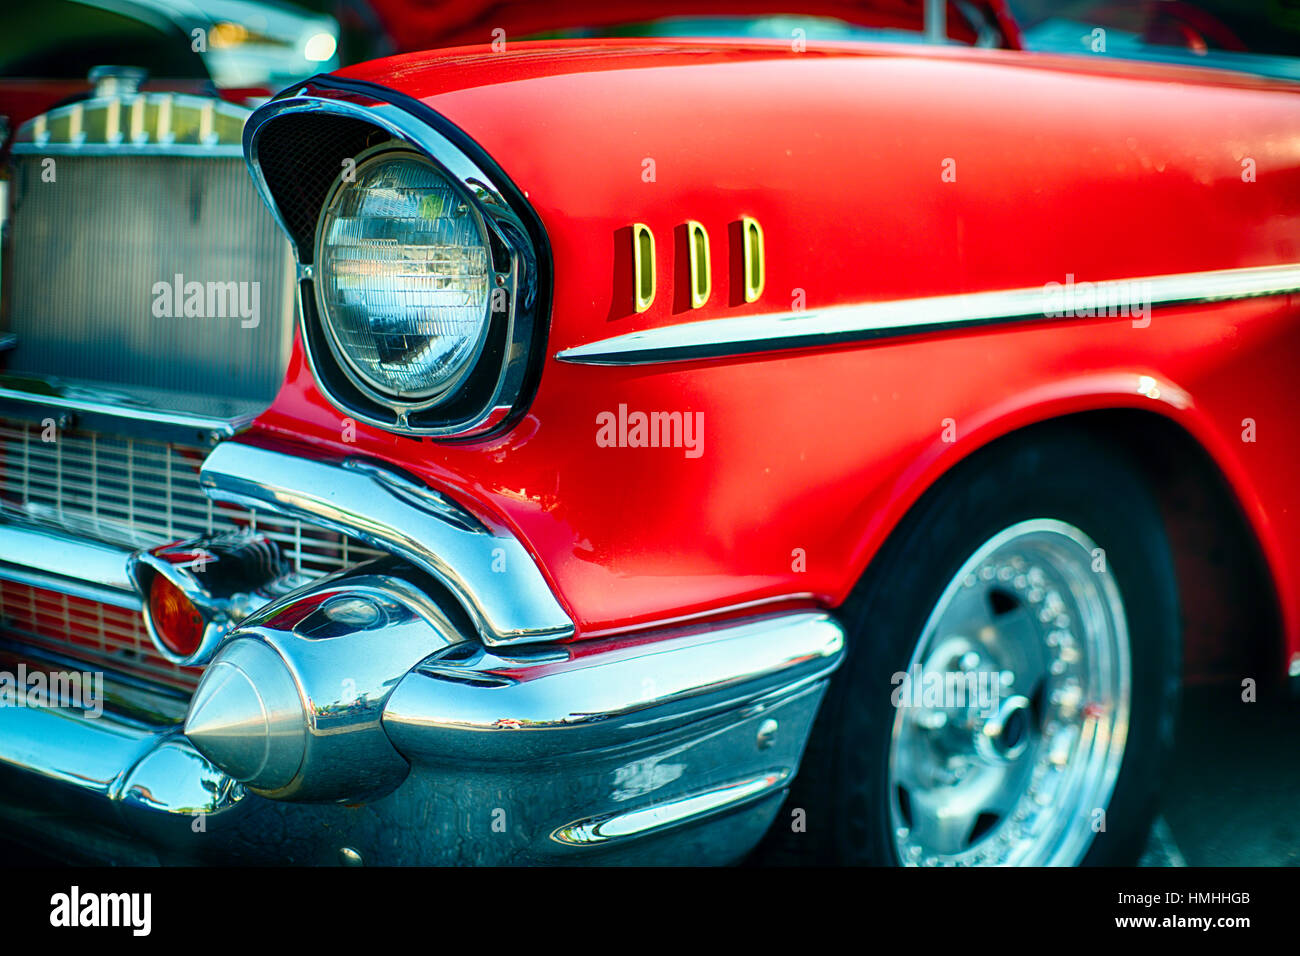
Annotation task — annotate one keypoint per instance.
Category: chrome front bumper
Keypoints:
(424, 709)
(662, 750)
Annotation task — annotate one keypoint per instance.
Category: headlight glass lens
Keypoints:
(404, 277)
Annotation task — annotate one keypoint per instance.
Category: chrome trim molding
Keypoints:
(364, 686)
(335, 692)
(30, 395)
(522, 269)
(69, 586)
(470, 704)
(403, 517)
(113, 758)
(643, 821)
(752, 334)
(47, 557)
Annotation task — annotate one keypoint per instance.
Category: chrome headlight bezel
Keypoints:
(345, 120)
(348, 179)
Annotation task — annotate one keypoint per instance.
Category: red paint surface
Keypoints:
(1064, 166)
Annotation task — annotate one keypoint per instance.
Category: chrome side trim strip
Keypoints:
(48, 558)
(750, 334)
(507, 606)
(84, 590)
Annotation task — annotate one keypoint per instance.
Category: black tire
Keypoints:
(1054, 472)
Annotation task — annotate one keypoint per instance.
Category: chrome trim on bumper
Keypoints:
(291, 706)
(752, 334)
(405, 518)
(695, 806)
(116, 756)
(47, 557)
(468, 704)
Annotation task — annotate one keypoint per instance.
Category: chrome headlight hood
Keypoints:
(297, 147)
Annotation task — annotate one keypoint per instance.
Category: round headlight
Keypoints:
(403, 277)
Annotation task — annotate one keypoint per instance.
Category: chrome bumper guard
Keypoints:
(361, 718)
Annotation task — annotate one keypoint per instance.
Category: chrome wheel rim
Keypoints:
(1011, 719)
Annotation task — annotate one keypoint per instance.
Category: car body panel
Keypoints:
(1101, 172)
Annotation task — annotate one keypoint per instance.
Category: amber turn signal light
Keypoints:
(176, 620)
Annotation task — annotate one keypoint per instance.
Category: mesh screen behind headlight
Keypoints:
(403, 277)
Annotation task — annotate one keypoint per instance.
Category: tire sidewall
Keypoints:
(1066, 477)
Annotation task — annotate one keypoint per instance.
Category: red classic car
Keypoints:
(648, 448)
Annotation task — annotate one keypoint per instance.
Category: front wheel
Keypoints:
(1012, 679)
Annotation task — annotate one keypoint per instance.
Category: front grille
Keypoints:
(118, 206)
(143, 493)
(136, 493)
(102, 636)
